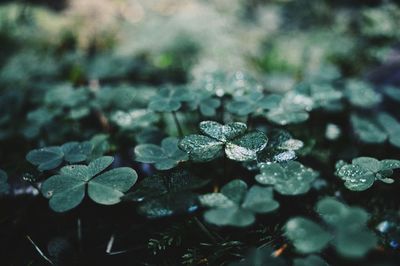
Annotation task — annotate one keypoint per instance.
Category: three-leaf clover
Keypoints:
(205, 102)
(51, 157)
(170, 99)
(289, 178)
(164, 157)
(4, 187)
(347, 232)
(166, 194)
(235, 205)
(361, 94)
(363, 171)
(253, 102)
(377, 129)
(292, 109)
(230, 138)
(67, 189)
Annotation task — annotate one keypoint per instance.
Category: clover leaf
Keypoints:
(289, 178)
(164, 195)
(292, 109)
(361, 94)
(281, 147)
(205, 102)
(164, 157)
(169, 99)
(4, 187)
(51, 157)
(235, 205)
(347, 232)
(367, 130)
(67, 189)
(310, 260)
(364, 171)
(253, 102)
(392, 92)
(230, 138)
(391, 126)
(306, 235)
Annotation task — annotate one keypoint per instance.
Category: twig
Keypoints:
(39, 250)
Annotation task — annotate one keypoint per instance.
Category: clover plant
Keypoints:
(170, 99)
(346, 229)
(361, 94)
(364, 171)
(51, 157)
(205, 102)
(253, 103)
(164, 157)
(218, 139)
(289, 178)
(292, 109)
(67, 189)
(236, 205)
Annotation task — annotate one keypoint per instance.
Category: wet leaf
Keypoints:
(164, 157)
(364, 171)
(230, 138)
(290, 178)
(67, 189)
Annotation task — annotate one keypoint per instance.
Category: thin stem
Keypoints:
(79, 233)
(204, 229)
(178, 125)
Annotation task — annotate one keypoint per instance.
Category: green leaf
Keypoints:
(109, 187)
(290, 178)
(260, 200)
(310, 260)
(367, 163)
(235, 190)
(355, 244)
(306, 236)
(165, 157)
(46, 158)
(234, 216)
(75, 152)
(367, 130)
(246, 147)
(65, 192)
(100, 164)
(67, 189)
(237, 206)
(221, 132)
(362, 173)
(392, 92)
(201, 148)
(361, 94)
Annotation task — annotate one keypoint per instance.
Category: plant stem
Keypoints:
(204, 229)
(178, 125)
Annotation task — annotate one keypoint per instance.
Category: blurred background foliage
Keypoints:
(74, 68)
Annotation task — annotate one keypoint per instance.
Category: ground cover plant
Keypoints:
(199, 133)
